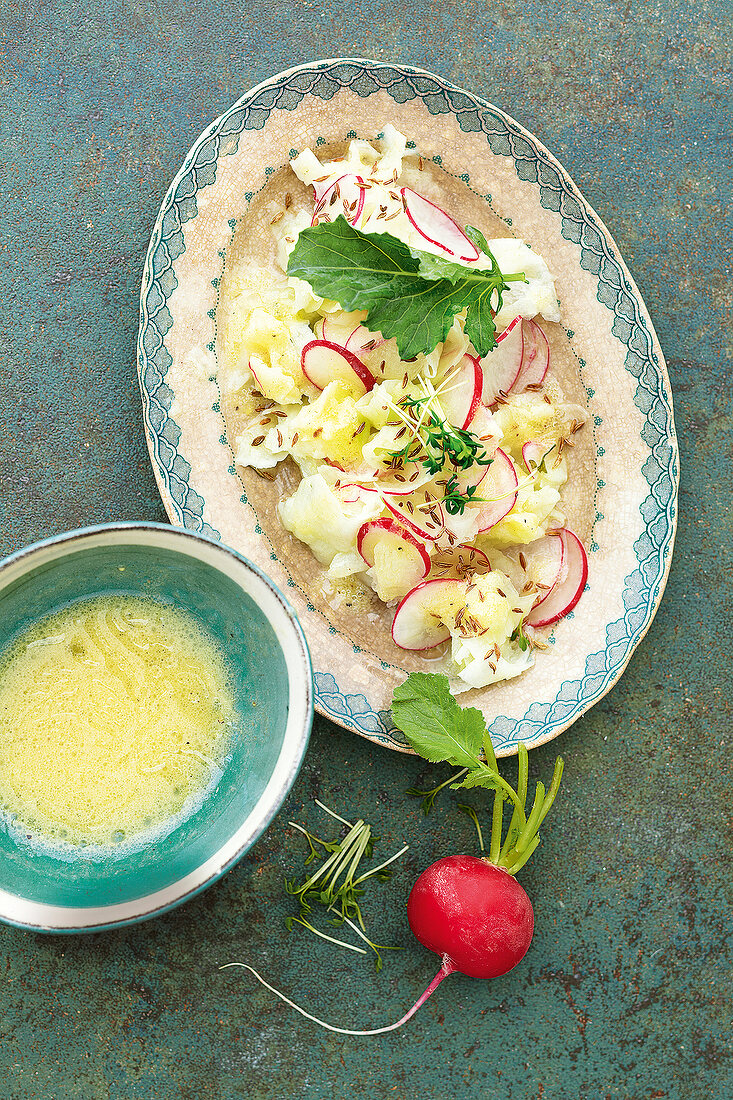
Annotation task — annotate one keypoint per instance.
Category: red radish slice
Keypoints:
(502, 366)
(437, 227)
(569, 588)
(462, 395)
(323, 362)
(331, 331)
(390, 488)
(344, 196)
(378, 530)
(545, 564)
(533, 453)
(471, 479)
(362, 339)
(424, 518)
(535, 359)
(416, 626)
(498, 490)
(461, 561)
(486, 429)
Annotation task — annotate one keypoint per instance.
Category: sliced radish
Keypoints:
(535, 357)
(417, 622)
(534, 452)
(471, 478)
(462, 395)
(544, 564)
(498, 490)
(344, 196)
(323, 362)
(361, 339)
(461, 561)
(437, 227)
(389, 488)
(486, 429)
(258, 383)
(502, 366)
(337, 333)
(388, 529)
(397, 560)
(421, 515)
(568, 589)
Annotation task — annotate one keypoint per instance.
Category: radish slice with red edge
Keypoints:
(390, 488)
(461, 396)
(415, 625)
(437, 227)
(535, 358)
(344, 196)
(330, 331)
(498, 491)
(362, 339)
(568, 588)
(533, 453)
(389, 530)
(422, 515)
(502, 366)
(471, 478)
(544, 564)
(323, 362)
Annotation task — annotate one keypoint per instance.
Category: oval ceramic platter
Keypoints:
(621, 497)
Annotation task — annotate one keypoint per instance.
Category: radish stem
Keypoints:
(533, 820)
(447, 967)
(521, 857)
(497, 819)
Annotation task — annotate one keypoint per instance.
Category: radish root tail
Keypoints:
(446, 968)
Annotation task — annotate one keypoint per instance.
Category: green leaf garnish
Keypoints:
(409, 295)
(433, 722)
(439, 729)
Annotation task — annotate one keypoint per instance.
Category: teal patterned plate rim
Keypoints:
(636, 464)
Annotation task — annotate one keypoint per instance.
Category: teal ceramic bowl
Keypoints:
(79, 890)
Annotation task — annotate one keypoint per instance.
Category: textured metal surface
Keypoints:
(626, 992)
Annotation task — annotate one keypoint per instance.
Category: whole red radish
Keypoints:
(475, 913)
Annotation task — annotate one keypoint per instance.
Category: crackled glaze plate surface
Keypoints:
(621, 497)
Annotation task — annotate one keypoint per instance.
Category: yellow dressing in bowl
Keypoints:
(115, 716)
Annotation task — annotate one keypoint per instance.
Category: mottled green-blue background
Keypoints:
(627, 989)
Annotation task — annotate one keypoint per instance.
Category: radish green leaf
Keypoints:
(409, 295)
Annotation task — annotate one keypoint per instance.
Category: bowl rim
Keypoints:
(37, 916)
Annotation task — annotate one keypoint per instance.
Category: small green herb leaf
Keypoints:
(433, 722)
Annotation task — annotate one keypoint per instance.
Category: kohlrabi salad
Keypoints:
(400, 361)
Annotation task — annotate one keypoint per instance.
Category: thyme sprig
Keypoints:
(336, 884)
